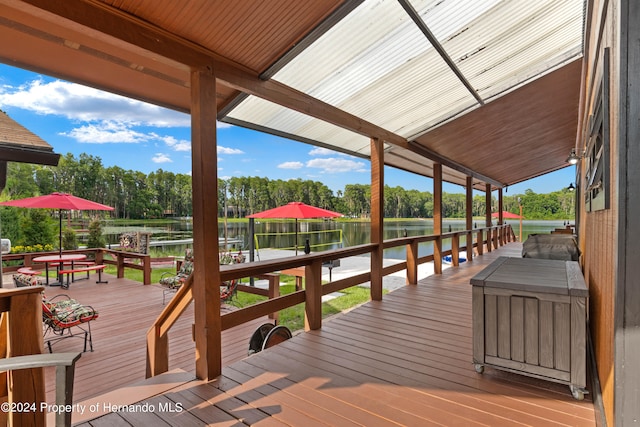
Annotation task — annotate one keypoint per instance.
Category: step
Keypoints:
(98, 406)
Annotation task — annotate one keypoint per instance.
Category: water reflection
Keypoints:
(322, 235)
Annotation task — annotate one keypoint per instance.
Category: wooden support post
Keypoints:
(24, 331)
(488, 216)
(377, 213)
(500, 242)
(469, 218)
(437, 218)
(206, 291)
(313, 296)
(412, 263)
(480, 242)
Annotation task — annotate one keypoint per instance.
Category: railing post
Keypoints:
(412, 263)
(146, 273)
(489, 239)
(120, 264)
(24, 337)
(313, 296)
(480, 242)
(157, 352)
(455, 250)
(437, 255)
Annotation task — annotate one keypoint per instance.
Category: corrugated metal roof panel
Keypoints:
(515, 41)
(377, 64)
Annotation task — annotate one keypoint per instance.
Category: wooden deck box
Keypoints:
(529, 317)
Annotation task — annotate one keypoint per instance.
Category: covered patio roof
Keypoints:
(489, 89)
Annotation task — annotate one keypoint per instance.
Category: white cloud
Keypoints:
(290, 165)
(107, 132)
(336, 165)
(161, 158)
(228, 150)
(77, 102)
(321, 151)
(175, 144)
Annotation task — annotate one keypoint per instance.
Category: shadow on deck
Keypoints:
(127, 309)
(404, 361)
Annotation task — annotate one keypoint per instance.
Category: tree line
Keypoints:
(135, 195)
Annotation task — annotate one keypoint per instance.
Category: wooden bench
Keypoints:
(28, 271)
(87, 269)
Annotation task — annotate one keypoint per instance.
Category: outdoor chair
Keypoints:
(172, 282)
(22, 280)
(229, 289)
(61, 314)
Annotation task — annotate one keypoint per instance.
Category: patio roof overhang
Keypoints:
(19, 144)
(489, 89)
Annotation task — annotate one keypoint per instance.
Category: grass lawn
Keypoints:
(292, 317)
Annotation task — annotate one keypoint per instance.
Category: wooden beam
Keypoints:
(377, 214)
(206, 292)
(420, 149)
(120, 25)
(437, 217)
(417, 19)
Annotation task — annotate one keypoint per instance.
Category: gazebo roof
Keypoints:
(487, 88)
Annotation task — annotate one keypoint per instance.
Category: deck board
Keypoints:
(127, 310)
(406, 360)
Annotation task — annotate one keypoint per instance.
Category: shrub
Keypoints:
(96, 239)
(69, 239)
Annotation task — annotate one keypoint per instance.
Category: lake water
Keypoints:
(322, 235)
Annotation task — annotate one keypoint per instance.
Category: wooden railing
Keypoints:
(488, 238)
(121, 259)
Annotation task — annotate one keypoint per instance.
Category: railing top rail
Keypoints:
(236, 271)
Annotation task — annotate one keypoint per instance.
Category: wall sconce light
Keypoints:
(571, 187)
(573, 157)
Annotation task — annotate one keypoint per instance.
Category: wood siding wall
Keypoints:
(598, 229)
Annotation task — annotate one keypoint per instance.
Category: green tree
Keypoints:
(38, 228)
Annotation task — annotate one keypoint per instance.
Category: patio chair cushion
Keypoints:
(66, 313)
(171, 281)
(21, 280)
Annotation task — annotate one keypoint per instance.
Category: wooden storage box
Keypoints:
(529, 317)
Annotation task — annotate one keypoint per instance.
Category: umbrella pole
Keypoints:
(296, 236)
(60, 236)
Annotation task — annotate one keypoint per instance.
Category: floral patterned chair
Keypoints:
(172, 282)
(229, 289)
(61, 313)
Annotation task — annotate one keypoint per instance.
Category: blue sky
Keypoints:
(137, 136)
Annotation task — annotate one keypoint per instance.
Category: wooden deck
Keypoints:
(127, 309)
(404, 361)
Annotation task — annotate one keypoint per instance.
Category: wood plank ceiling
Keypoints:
(145, 49)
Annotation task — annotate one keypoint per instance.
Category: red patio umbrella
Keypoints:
(60, 201)
(296, 210)
(506, 215)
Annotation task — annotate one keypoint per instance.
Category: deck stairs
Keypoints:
(98, 406)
